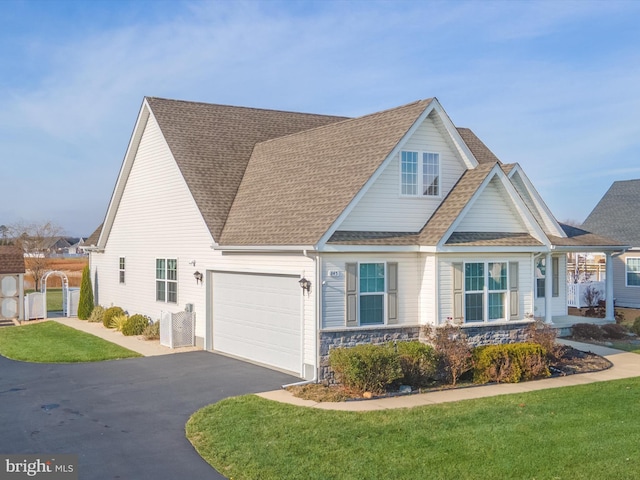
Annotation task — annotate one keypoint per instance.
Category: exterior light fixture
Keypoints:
(198, 276)
(305, 284)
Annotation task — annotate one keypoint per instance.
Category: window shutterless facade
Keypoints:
(419, 173)
(167, 280)
(633, 271)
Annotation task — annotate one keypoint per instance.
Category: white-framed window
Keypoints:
(121, 270)
(541, 271)
(371, 293)
(419, 173)
(485, 291)
(167, 280)
(633, 271)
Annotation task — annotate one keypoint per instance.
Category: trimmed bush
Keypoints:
(636, 326)
(152, 331)
(108, 315)
(418, 362)
(85, 303)
(587, 331)
(135, 325)
(614, 331)
(96, 314)
(366, 368)
(509, 363)
(119, 321)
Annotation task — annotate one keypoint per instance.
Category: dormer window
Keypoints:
(419, 174)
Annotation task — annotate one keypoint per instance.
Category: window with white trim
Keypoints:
(167, 280)
(121, 271)
(371, 290)
(485, 291)
(633, 271)
(419, 173)
(541, 272)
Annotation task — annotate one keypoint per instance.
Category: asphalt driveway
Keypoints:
(124, 419)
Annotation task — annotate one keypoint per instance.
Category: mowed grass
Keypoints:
(51, 342)
(54, 299)
(583, 432)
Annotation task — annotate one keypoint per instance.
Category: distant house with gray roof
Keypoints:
(616, 216)
(290, 233)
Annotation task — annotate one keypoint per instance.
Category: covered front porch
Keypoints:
(563, 323)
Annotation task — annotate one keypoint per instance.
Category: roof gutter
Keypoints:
(262, 248)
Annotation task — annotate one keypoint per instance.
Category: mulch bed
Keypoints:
(570, 361)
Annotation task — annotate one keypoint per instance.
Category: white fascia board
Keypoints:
(539, 202)
(125, 170)
(463, 150)
(356, 199)
(534, 229)
(263, 248)
(369, 248)
(492, 250)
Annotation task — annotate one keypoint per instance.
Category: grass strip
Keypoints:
(51, 342)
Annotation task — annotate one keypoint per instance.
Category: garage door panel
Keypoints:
(258, 317)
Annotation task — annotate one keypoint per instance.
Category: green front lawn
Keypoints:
(583, 432)
(54, 299)
(51, 342)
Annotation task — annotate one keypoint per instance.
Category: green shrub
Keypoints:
(587, 331)
(135, 325)
(417, 361)
(85, 303)
(366, 368)
(96, 314)
(614, 331)
(119, 321)
(636, 326)
(152, 331)
(509, 363)
(108, 315)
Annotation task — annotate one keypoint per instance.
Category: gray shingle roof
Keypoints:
(92, 240)
(11, 260)
(477, 147)
(616, 215)
(486, 239)
(295, 187)
(577, 237)
(212, 145)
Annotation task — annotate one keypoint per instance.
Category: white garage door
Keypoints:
(258, 317)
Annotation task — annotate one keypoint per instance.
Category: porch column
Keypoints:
(548, 288)
(609, 313)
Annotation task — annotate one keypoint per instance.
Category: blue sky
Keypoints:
(552, 85)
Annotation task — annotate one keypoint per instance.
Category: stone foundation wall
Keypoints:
(496, 334)
(351, 338)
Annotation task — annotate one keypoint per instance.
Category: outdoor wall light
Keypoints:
(305, 284)
(198, 276)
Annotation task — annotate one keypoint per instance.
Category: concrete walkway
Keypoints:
(148, 348)
(625, 365)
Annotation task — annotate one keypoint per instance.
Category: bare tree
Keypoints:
(36, 241)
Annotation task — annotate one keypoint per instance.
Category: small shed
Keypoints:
(12, 272)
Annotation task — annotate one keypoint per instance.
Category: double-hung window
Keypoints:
(371, 293)
(419, 173)
(121, 271)
(541, 271)
(167, 280)
(371, 290)
(633, 272)
(485, 291)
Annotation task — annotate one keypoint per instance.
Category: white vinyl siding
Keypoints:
(334, 279)
(384, 208)
(492, 211)
(445, 283)
(157, 218)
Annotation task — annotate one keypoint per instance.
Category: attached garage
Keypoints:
(258, 317)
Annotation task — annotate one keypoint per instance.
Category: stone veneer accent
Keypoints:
(352, 337)
(477, 336)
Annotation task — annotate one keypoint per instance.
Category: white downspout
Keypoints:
(317, 292)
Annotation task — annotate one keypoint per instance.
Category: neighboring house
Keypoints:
(12, 272)
(390, 222)
(616, 216)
